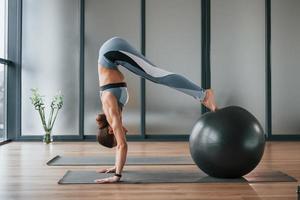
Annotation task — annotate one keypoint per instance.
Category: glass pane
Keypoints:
(50, 62)
(3, 28)
(103, 20)
(3, 40)
(285, 67)
(173, 42)
(238, 54)
(2, 103)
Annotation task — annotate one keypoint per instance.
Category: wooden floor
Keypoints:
(25, 175)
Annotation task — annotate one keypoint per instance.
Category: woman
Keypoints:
(117, 52)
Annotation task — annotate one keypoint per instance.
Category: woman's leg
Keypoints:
(117, 51)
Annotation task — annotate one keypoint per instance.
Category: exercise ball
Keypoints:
(227, 143)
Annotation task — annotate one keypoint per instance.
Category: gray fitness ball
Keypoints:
(227, 143)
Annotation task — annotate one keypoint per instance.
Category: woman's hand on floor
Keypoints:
(109, 170)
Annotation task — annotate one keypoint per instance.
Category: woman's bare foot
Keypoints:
(209, 100)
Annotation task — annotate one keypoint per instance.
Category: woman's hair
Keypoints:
(103, 136)
(102, 121)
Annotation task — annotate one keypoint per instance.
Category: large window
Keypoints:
(285, 67)
(3, 36)
(173, 42)
(59, 51)
(237, 54)
(50, 61)
(101, 24)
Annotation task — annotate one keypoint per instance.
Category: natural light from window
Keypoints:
(3, 39)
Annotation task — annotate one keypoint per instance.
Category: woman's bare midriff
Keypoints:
(108, 76)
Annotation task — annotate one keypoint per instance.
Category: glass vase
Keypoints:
(48, 138)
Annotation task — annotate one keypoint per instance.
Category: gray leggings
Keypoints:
(118, 52)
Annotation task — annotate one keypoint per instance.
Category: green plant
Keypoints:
(38, 103)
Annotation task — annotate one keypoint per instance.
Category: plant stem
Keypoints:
(43, 119)
(50, 118)
(55, 115)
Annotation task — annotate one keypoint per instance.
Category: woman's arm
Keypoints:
(121, 151)
(113, 115)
